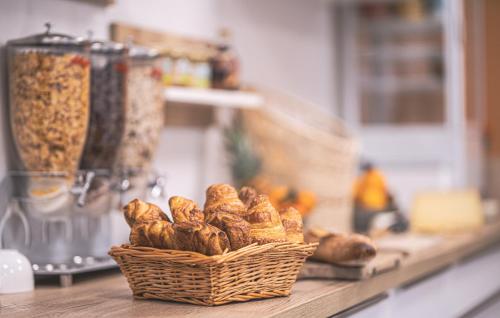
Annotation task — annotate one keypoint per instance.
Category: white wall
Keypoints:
(283, 44)
(286, 45)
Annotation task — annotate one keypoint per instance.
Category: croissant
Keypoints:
(247, 194)
(201, 237)
(292, 222)
(137, 211)
(159, 234)
(235, 227)
(341, 248)
(185, 210)
(265, 222)
(223, 198)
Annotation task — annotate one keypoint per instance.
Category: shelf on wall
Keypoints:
(401, 26)
(102, 3)
(404, 52)
(390, 84)
(213, 97)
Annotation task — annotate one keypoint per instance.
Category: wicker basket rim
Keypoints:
(194, 258)
(271, 94)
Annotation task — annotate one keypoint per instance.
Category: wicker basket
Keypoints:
(252, 272)
(306, 148)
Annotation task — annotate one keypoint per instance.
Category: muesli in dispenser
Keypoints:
(49, 80)
(143, 120)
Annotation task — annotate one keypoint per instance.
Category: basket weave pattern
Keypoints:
(306, 148)
(252, 272)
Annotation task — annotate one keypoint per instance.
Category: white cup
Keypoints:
(16, 274)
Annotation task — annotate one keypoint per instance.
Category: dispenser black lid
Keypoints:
(50, 39)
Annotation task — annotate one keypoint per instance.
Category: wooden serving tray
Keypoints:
(383, 262)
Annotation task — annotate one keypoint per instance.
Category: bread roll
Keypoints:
(158, 234)
(185, 210)
(223, 198)
(235, 227)
(200, 237)
(341, 248)
(292, 222)
(137, 212)
(265, 222)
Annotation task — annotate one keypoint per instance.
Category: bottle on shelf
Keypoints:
(225, 64)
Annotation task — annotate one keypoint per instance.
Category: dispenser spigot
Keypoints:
(84, 182)
(158, 186)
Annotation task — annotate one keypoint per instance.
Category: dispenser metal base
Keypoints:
(78, 266)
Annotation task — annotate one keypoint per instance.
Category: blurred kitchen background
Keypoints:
(405, 88)
(412, 79)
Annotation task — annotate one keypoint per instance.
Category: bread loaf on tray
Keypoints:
(340, 248)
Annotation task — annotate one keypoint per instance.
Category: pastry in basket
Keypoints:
(292, 222)
(185, 210)
(201, 237)
(195, 237)
(338, 248)
(158, 234)
(236, 228)
(246, 195)
(138, 211)
(223, 198)
(228, 225)
(265, 221)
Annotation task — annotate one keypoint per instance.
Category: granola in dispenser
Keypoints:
(144, 117)
(50, 108)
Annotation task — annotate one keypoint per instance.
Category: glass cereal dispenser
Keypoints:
(49, 78)
(62, 209)
(107, 103)
(49, 83)
(143, 121)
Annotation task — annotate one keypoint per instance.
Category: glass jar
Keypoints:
(182, 67)
(107, 103)
(49, 78)
(225, 64)
(201, 70)
(167, 63)
(144, 111)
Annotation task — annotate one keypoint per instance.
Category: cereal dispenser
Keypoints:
(107, 102)
(52, 217)
(49, 78)
(143, 124)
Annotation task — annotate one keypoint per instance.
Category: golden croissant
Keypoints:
(235, 227)
(159, 234)
(246, 195)
(185, 210)
(137, 211)
(292, 222)
(201, 237)
(265, 222)
(340, 248)
(195, 237)
(223, 198)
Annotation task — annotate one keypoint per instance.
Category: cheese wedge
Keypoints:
(446, 212)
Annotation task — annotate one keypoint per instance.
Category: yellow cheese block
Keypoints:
(446, 212)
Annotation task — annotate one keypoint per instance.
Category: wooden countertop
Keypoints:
(109, 295)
